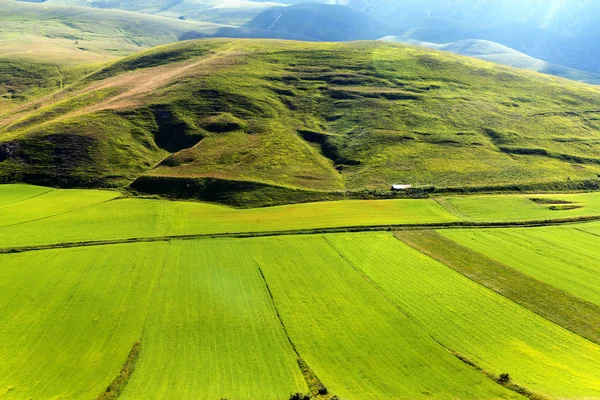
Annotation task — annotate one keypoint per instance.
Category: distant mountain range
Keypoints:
(559, 36)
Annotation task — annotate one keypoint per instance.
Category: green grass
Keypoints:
(358, 344)
(525, 207)
(329, 117)
(50, 203)
(200, 310)
(71, 317)
(135, 218)
(16, 193)
(486, 328)
(565, 309)
(564, 257)
(212, 331)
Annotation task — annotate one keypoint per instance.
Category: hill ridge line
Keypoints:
(315, 231)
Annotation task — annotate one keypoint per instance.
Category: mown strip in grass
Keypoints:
(577, 315)
(468, 319)
(563, 257)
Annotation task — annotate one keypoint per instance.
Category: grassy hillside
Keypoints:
(292, 117)
(45, 47)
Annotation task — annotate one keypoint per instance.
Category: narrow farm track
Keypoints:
(348, 229)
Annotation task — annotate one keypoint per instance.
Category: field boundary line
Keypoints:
(497, 379)
(309, 231)
(313, 383)
(56, 215)
(27, 198)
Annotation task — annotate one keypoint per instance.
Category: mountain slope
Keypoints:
(82, 34)
(220, 116)
(321, 21)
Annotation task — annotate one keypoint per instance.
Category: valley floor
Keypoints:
(490, 296)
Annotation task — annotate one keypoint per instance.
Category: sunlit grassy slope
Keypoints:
(315, 117)
(44, 47)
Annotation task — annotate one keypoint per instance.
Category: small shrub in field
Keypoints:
(300, 396)
(504, 378)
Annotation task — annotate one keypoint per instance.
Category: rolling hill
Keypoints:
(295, 121)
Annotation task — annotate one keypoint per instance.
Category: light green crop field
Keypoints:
(357, 343)
(495, 333)
(15, 193)
(523, 207)
(135, 218)
(208, 327)
(212, 331)
(69, 318)
(61, 216)
(201, 310)
(46, 204)
(564, 257)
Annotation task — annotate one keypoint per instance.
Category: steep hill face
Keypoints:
(289, 118)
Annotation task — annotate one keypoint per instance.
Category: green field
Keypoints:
(71, 317)
(369, 317)
(523, 207)
(40, 204)
(564, 257)
(16, 193)
(491, 331)
(357, 343)
(212, 332)
(34, 216)
(138, 218)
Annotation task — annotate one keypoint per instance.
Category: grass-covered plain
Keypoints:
(208, 327)
(486, 328)
(138, 218)
(16, 193)
(33, 216)
(526, 207)
(212, 331)
(202, 313)
(39, 203)
(358, 344)
(71, 317)
(565, 309)
(564, 257)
